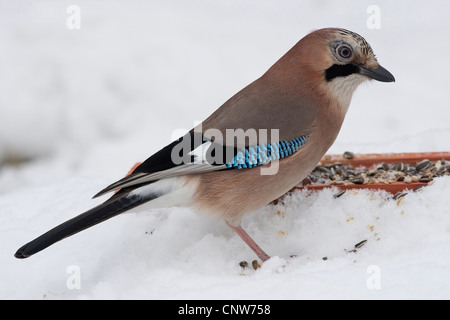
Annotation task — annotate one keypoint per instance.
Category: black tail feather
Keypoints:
(112, 207)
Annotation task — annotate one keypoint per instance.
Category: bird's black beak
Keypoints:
(380, 74)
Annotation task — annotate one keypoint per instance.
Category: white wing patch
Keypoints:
(200, 152)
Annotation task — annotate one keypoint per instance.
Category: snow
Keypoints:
(79, 107)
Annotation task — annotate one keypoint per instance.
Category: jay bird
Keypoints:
(302, 100)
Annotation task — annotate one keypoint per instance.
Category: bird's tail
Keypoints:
(117, 204)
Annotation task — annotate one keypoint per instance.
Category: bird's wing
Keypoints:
(194, 154)
(265, 105)
(160, 166)
(261, 105)
(171, 161)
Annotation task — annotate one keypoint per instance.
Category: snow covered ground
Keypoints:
(79, 107)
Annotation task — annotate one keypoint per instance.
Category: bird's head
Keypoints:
(350, 54)
(345, 61)
(334, 61)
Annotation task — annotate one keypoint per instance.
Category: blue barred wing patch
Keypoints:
(253, 156)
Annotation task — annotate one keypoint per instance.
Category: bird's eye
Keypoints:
(344, 51)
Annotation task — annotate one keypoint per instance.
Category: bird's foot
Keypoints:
(250, 242)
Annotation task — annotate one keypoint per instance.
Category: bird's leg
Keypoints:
(250, 242)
